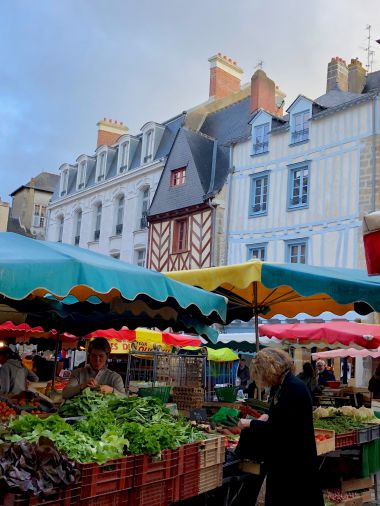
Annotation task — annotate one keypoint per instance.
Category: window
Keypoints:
(60, 228)
(140, 257)
(178, 177)
(297, 251)
(98, 221)
(148, 146)
(300, 131)
(102, 167)
(298, 192)
(78, 224)
(120, 215)
(64, 182)
(144, 208)
(180, 236)
(260, 141)
(81, 177)
(124, 156)
(257, 252)
(259, 194)
(39, 216)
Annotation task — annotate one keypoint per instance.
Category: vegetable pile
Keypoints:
(344, 419)
(6, 411)
(113, 426)
(36, 468)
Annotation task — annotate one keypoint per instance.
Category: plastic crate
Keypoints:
(212, 451)
(188, 485)
(226, 394)
(123, 498)
(375, 431)
(151, 470)
(328, 445)
(189, 458)
(161, 493)
(210, 478)
(113, 476)
(68, 496)
(364, 435)
(162, 393)
(347, 439)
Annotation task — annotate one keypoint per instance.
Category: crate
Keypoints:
(188, 398)
(188, 485)
(151, 470)
(161, 493)
(210, 478)
(113, 476)
(123, 498)
(212, 451)
(355, 484)
(325, 446)
(364, 435)
(68, 496)
(162, 393)
(346, 439)
(189, 458)
(375, 431)
(226, 394)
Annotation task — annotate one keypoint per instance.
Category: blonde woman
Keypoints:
(286, 435)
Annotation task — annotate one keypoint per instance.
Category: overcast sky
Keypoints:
(65, 64)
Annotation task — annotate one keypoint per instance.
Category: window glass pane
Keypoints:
(120, 211)
(98, 217)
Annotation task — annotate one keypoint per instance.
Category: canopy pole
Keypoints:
(256, 316)
(55, 360)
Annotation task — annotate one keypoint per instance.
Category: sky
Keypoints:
(66, 64)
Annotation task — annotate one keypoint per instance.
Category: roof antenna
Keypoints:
(260, 64)
(369, 50)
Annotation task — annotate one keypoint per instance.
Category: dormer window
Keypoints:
(148, 146)
(300, 130)
(261, 139)
(123, 156)
(64, 182)
(81, 176)
(178, 177)
(101, 172)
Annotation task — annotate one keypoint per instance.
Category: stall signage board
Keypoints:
(198, 415)
(120, 347)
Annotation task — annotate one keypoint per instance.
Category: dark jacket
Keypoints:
(374, 386)
(243, 375)
(325, 376)
(288, 449)
(310, 382)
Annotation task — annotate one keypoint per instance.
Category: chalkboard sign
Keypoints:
(198, 415)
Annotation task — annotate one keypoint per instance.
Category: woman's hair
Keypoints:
(101, 344)
(308, 369)
(6, 352)
(270, 366)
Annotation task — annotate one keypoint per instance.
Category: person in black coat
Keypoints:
(285, 437)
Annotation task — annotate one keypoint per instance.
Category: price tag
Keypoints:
(198, 415)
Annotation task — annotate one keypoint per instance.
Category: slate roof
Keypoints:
(336, 97)
(45, 181)
(171, 128)
(372, 81)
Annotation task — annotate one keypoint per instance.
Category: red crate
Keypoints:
(152, 470)
(347, 439)
(187, 485)
(189, 458)
(161, 493)
(113, 476)
(68, 496)
(123, 498)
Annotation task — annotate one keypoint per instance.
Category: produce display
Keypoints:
(113, 426)
(344, 419)
(333, 497)
(6, 410)
(35, 467)
(32, 403)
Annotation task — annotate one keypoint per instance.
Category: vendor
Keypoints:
(374, 384)
(13, 375)
(96, 374)
(323, 374)
(243, 372)
(286, 435)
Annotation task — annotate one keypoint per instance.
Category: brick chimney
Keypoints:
(225, 76)
(337, 75)
(263, 93)
(356, 76)
(109, 131)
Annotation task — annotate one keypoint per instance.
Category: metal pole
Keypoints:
(55, 360)
(256, 316)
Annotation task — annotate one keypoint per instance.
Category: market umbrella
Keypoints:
(23, 332)
(39, 276)
(265, 289)
(359, 335)
(348, 352)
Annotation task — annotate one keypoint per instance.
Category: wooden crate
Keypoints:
(328, 445)
(210, 478)
(355, 484)
(212, 451)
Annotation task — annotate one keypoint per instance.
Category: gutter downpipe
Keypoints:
(228, 206)
(211, 205)
(373, 152)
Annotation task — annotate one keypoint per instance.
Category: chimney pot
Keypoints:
(356, 76)
(337, 74)
(109, 131)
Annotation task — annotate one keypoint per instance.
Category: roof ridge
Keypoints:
(227, 106)
(198, 132)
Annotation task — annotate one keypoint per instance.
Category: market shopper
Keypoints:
(374, 384)
(309, 378)
(13, 375)
(96, 374)
(286, 435)
(323, 374)
(243, 372)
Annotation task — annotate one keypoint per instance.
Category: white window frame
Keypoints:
(119, 218)
(148, 144)
(39, 217)
(61, 223)
(64, 182)
(261, 248)
(98, 220)
(297, 243)
(101, 166)
(140, 261)
(144, 208)
(124, 149)
(77, 226)
(81, 175)
(301, 132)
